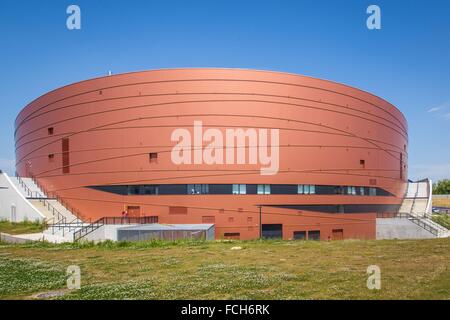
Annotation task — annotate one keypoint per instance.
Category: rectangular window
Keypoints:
(260, 189)
(299, 235)
(198, 188)
(283, 189)
(263, 188)
(351, 190)
(232, 235)
(306, 189)
(220, 188)
(153, 219)
(150, 189)
(153, 157)
(50, 131)
(272, 231)
(135, 190)
(362, 163)
(65, 156)
(51, 157)
(314, 235)
(239, 189)
(361, 191)
(372, 191)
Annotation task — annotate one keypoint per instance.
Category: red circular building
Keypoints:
(303, 157)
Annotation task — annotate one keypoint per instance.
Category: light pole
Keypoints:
(260, 222)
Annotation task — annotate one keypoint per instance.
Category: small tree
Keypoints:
(441, 187)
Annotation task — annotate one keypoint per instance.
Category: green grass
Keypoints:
(410, 269)
(20, 227)
(442, 219)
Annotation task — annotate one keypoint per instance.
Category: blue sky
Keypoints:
(407, 62)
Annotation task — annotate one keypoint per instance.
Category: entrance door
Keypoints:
(338, 234)
(13, 213)
(134, 211)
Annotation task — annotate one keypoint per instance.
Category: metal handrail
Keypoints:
(418, 220)
(415, 197)
(84, 231)
(74, 211)
(61, 219)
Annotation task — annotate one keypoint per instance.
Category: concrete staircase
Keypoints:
(62, 222)
(28, 188)
(416, 207)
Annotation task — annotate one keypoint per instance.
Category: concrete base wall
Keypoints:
(106, 232)
(5, 237)
(400, 228)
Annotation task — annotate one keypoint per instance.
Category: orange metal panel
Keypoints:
(330, 134)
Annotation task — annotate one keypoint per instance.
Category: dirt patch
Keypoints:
(49, 294)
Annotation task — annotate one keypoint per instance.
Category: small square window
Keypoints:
(362, 163)
(153, 156)
(51, 157)
(50, 130)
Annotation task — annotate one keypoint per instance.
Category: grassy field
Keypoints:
(442, 219)
(20, 227)
(212, 270)
(441, 202)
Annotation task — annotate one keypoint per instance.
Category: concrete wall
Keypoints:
(4, 237)
(10, 197)
(106, 232)
(400, 228)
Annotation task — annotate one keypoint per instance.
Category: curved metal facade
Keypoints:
(79, 140)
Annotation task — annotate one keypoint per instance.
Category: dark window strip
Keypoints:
(195, 189)
(343, 208)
